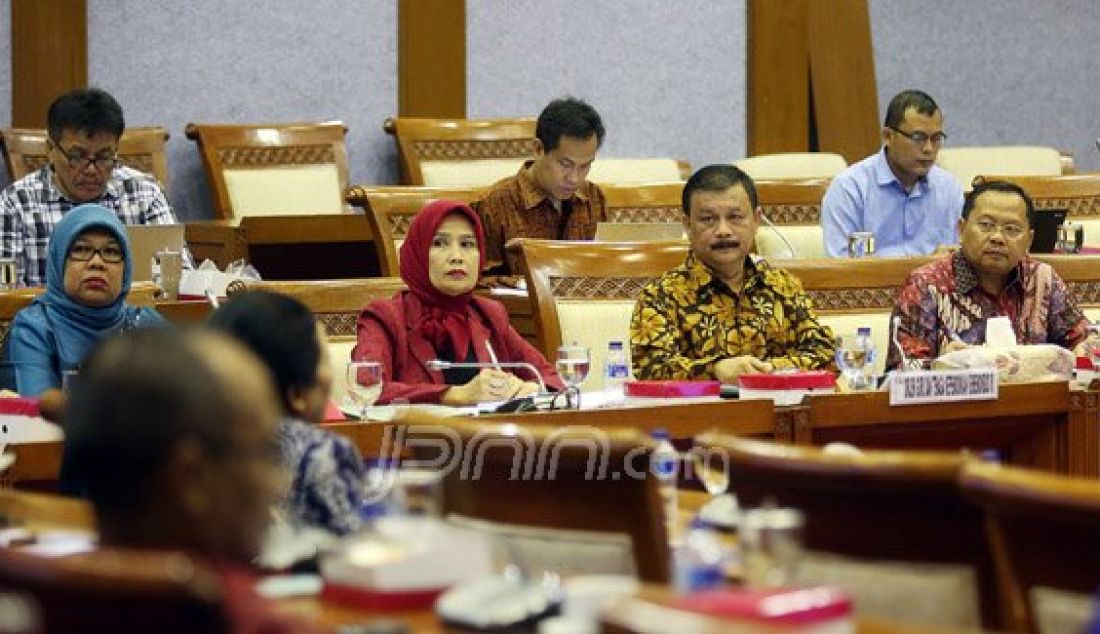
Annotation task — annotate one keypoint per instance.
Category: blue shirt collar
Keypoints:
(884, 176)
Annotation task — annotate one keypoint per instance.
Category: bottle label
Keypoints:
(618, 371)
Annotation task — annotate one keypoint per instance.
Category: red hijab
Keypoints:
(443, 321)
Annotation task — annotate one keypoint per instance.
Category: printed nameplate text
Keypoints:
(943, 386)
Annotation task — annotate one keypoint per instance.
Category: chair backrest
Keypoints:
(556, 478)
(793, 165)
(139, 148)
(391, 209)
(1019, 160)
(274, 169)
(461, 152)
(644, 202)
(109, 590)
(1042, 528)
(891, 528)
(794, 205)
(586, 291)
(637, 170)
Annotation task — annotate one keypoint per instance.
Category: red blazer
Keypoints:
(386, 333)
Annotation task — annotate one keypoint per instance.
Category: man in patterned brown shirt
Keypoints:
(723, 313)
(550, 197)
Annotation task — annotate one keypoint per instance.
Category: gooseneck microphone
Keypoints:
(439, 365)
(775, 229)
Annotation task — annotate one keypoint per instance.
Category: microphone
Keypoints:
(439, 365)
(790, 247)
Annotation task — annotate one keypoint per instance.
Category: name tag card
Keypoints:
(943, 386)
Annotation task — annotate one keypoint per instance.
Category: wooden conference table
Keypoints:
(1045, 426)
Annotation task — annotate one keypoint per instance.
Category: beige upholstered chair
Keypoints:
(391, 209)
(542, 492)
(621, 171)
(644, 202)
(274, 169)
(586, 291)
(461, 152)
(889, 527)
(139, 148)
(1016, 160)
(1042, 528)
(795, 207)
(793, 165)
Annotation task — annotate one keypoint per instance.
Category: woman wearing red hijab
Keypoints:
(439, 317)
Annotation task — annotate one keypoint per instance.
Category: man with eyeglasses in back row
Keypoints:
(84, 128)
(899, 194)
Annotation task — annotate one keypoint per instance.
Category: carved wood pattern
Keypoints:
(286, 155)
(1077, 206)
(399, 225)
(621, 288)
(645, 214)
(853, 298)
(793, 214)
(33, 162)
(339, 324)
(469, 149)
(140, 162)
(1085, 292)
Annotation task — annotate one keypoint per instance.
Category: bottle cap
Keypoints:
(865, 330)
(615, 345)
(659, 434)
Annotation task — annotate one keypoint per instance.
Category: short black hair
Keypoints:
(717, 178)
(568, 116)
(281, 331)
(916, 99)
(88, 110)
(983, 186)
(137, 397)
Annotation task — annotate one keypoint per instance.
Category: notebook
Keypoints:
(639, 231)
(146, 240)
(1046, 229)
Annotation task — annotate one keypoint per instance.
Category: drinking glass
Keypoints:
(771, 542)
(1071, 238)
(712, 469)
(364, 384)
(854, 354)
(573, 364)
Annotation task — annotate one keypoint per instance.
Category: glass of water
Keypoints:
(364, 384)
(854, 355)
(573, 363)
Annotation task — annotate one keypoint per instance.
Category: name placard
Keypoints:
(943, 386)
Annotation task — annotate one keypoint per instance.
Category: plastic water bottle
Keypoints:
(699, 562)
(616, 371)
(665, 465)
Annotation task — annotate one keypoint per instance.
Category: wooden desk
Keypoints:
(319, 246)
(1041, 425)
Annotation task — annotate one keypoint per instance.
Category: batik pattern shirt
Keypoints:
(688, 320)
(515, 207)
(326, 478)
(942, 301)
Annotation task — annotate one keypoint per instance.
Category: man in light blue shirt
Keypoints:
(911, 205)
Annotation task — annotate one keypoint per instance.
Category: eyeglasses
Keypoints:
(920, 138)
(111, 254)
(1011, 232)
(81, 163)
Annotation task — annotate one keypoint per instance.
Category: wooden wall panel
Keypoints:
(49, 55)
(842, 72)
(779, 76)
(431, 58)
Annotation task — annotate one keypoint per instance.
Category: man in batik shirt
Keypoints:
(944, 305)
(722, 313)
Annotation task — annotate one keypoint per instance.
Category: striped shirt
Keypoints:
(33, 205)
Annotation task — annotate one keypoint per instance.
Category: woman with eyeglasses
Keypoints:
(88, 270)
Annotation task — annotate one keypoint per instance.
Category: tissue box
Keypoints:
(21, 423)
(786, 388)
(405, 564)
